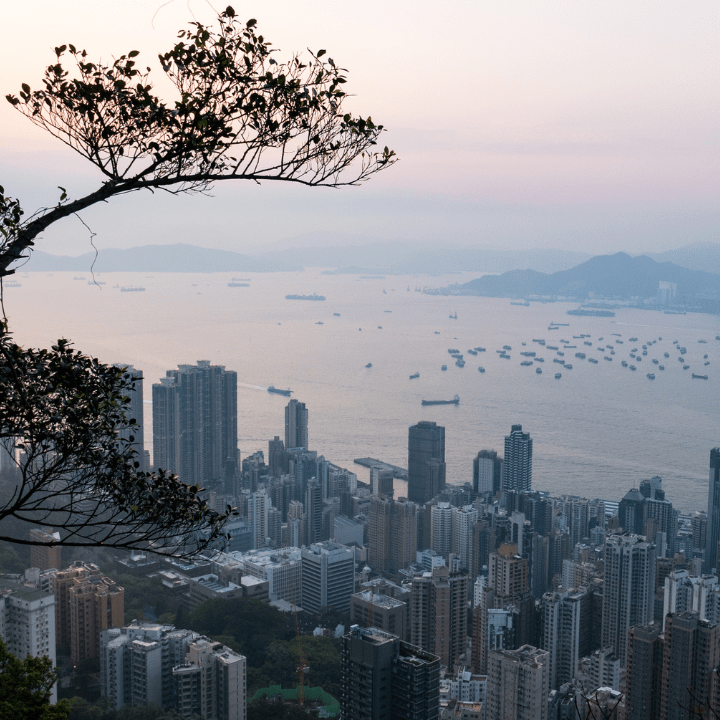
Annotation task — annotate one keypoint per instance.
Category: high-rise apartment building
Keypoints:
(438, 613)
(328, 576)
(644, 672)
(508, 572)
(135, 412)
(27, 624)
(384, 678)
(195, 421)
(45, 556)
(629, 589)
(517, 686)
(296, 425)
(381, 481)
(517, 464)
(712, 533)
(373, 609)
(441, 528)
(313, 512)
(426, 461)
(392, 534)
(463, 522)
(690, 655)
(487, 472)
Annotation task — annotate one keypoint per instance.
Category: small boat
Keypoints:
(661, 367)
(238, 284)
(624, 363)
(319, 322)
(480, 349)
(90, 282)
(594, 361)
(414, 376)
(526, 363)
(686, 367)
(633, 368)
(460, 362)
(538, 371)
(278, 391)
(369, 365)
(506, 347)
(699, 377)
(537, 359)
(651, 376)
(130, 289)
(443, 368)
(379, 327)
(568, 366)
(453, 351)
(336, 314)
(472, 352)
(454, 316)
(481, 369)
(655, 362)
(454, 401)
(558, 376)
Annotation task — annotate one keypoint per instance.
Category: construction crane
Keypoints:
(302, 667)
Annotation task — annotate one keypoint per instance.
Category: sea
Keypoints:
(597, 431)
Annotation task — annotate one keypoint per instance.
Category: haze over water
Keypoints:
(597, 432)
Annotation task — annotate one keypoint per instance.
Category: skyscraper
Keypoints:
(384, 677)
(517, 464)
(195, 421)
(487, 472)
(518, 684)
(296, 425)
(426, 461)
(712, 533)
(135, 412)
(629, 589)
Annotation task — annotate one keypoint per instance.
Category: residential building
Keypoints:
(45, 556)
(487, 472)
(195, 421)
(441, 528)
(517, 684)
(385, 678)
(296, 425)
(463, 522)
(629, 589)
(373, 609)
(517, 463)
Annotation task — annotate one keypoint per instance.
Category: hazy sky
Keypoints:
(579, 125)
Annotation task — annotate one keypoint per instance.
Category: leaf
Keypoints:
(320, 53)
(133, 53)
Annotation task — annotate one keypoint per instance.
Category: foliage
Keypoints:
(83, 710)
(26, 687)
(239, 114)
(64, 411)
(141, 592)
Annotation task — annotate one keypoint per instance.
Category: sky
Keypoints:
(524, 124)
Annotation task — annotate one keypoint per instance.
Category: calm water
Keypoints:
(597, 432)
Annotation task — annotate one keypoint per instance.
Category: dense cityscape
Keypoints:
(490, 600)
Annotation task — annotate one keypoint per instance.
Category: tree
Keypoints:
(26, 686)
(239, 114)
(63, 411)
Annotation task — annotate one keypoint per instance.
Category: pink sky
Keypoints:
(518, 124)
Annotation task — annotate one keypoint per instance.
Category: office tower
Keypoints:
(328, 576)
(712, 533)
(566, 632)
(463, 521)
(277, 465)
(45, 557)
(539, 566)
(631, 512)
(313, 512)
(426, 461)
(441, 527)
(517, 464)
(135, 411)
(691, 653)
(629, 589)
(517, 684)
(438, 614)
(195, 421)
(483, 542)
(295, 524)
(644, 672)
(296, 425)
(698, 524)
(381, 482)
(487, 472)
(384, 678)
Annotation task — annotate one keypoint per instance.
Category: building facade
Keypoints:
(426, 461)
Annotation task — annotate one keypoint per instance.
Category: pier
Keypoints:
(398, 472)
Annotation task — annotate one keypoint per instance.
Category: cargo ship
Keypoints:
(454, 401)
(278, 391)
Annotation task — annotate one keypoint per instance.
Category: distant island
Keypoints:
(314, 296)
(618, 278)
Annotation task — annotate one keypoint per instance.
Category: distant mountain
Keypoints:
(618, 276)
(159, 258)
(404, 258)
(696, 256)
